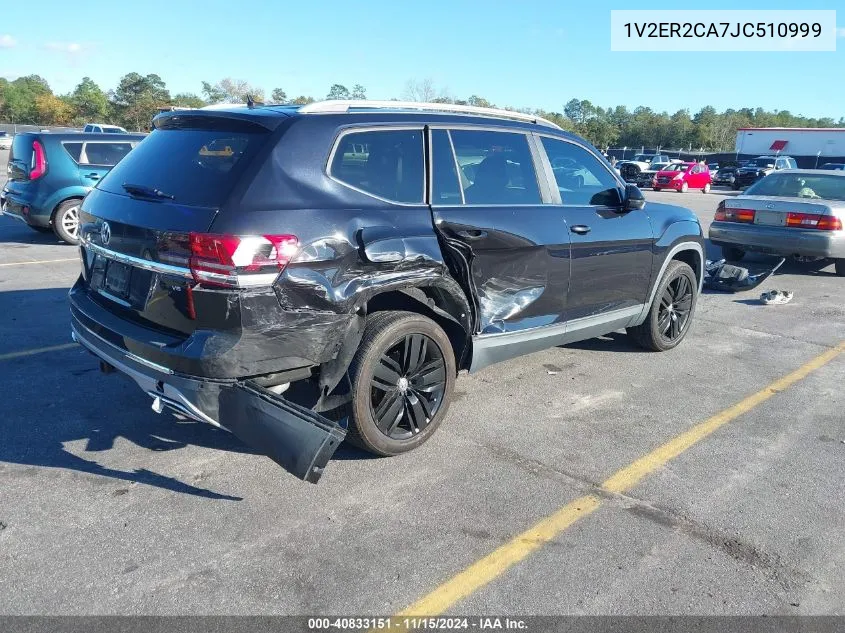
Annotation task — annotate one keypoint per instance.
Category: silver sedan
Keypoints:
(790, 212)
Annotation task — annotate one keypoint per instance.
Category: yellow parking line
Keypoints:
(518, 548)
(43, 261)
(37, 350)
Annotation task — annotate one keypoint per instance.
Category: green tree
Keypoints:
(213, 94)
(89, 102)
(338, 91)
(138, 98)
(230, 90)
(278, 95)
(479, 102)
(303, 100)
(53, 110)
(188, 100)
(19, 98)
(359, 92)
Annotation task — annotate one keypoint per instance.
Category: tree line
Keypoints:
(137, 98)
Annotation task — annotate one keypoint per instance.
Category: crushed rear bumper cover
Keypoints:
(298, 439)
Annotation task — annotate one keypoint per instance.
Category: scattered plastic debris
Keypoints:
(776, 297)
(724, 277)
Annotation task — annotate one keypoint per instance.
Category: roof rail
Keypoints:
(223, 106)
(344, 105)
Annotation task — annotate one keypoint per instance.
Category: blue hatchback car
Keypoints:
(50, 174)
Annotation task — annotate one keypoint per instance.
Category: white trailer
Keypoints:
(799, 142)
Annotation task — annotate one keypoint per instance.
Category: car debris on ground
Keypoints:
(724, 277)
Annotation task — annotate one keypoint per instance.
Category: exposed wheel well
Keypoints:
(692, 258)
(60, 203)
(437, 305)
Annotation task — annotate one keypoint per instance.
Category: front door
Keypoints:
(488, 207)
(611, 248)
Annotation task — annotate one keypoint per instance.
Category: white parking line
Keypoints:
(43, 261)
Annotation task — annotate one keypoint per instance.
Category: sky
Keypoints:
(537, 54)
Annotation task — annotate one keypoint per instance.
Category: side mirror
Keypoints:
(634, 199)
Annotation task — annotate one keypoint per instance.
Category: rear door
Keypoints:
(96, 158)
(611, 248)
(488, 207)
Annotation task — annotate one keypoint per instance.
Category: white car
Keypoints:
(104, 128)
(5, 140)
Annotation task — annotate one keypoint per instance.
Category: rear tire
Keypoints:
(402, 379)
(732, 253)
(706, 188)
(671, 311)
(839, 267)
(66, 221)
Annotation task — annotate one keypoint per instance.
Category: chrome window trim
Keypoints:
(145, 264)
(239, 281)
(417, 127)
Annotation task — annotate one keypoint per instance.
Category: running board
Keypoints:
(297, 439)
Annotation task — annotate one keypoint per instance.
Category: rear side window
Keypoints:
(496, 168)
(385, 163)
(196, 167)
(74, 149)
(103, 154)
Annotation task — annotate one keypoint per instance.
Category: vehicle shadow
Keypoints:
(16, 232)
(613, 342)
(90, 414)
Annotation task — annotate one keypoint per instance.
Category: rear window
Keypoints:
(196, 167)
(800, 186)
(74, 149)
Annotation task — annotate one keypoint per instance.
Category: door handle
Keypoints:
(93, 176)
(472, 234)
(580, 229)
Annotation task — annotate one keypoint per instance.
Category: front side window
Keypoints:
(581, 178)
(496, 168)
(106, 154)
(384, 163)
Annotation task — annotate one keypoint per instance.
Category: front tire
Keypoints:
(671, 311)
(706, 188)
(684, 187)
(66, 221)
(402, 379)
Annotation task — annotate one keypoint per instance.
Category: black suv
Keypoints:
(302, 275)
(760, 167)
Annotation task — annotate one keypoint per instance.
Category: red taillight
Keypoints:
(814, 221)
(38, 165)
(231, 261)
(724, 214)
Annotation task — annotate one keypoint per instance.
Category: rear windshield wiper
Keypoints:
(147, 192)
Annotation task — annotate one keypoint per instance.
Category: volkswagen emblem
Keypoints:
(105, 234)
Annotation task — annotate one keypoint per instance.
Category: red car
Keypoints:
(683, 176)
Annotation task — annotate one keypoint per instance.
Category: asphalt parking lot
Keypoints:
(109, 508)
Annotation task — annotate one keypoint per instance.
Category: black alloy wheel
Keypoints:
(675, 308)
(407, 387)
